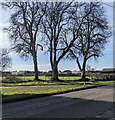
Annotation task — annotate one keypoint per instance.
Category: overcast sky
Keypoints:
(43, 59)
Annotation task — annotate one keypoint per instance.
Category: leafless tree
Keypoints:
(53, 24)
(93, 35)
(5, 60)
(61, 30)
(24, 28)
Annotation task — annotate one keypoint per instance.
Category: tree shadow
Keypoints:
(59, 106)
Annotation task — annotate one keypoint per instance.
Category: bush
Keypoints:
(11, 79)
(102, 77)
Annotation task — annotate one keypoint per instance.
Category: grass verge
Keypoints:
(16, 94)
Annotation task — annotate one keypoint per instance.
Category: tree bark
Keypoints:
(55, 73)
(35, 67)
(83, 74)
(78, 63)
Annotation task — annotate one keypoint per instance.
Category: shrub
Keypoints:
(11, 79)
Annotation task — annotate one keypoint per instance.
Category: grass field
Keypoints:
(45, 80)
(49, 77)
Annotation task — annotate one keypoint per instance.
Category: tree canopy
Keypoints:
(68, 29)
(93, 35)
(24, 28)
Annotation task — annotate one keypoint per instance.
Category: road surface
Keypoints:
(95, 102)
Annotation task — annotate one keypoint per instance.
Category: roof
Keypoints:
(108, 70)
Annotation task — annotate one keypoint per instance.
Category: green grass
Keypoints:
(69, 77)
(44, 87)
(13, 94)
(44, 80)
(105, 82)
(33, 83)
(47, 78)
(36, 83)
(36, 90)
(68, 80)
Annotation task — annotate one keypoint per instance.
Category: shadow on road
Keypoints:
(59, 107)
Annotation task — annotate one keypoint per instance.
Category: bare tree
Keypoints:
(54, 24)
(93, 36)
(61, 30)
(54, 21)
(5, 60)
(24, 28)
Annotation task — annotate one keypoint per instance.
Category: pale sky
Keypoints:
(43, 59)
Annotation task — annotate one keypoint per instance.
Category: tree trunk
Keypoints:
(78, 63)
(55, 64)
(35, 67)
(55, 73)
(83, 75)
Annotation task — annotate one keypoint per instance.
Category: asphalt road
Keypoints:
(95, 102)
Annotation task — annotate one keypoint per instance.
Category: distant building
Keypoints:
(67, 72)
(108, 73)
(49, 73)
(14, 73)
(21, 73)
(75, 72)
(108, 70)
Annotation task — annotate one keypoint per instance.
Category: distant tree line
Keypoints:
(73, 30)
